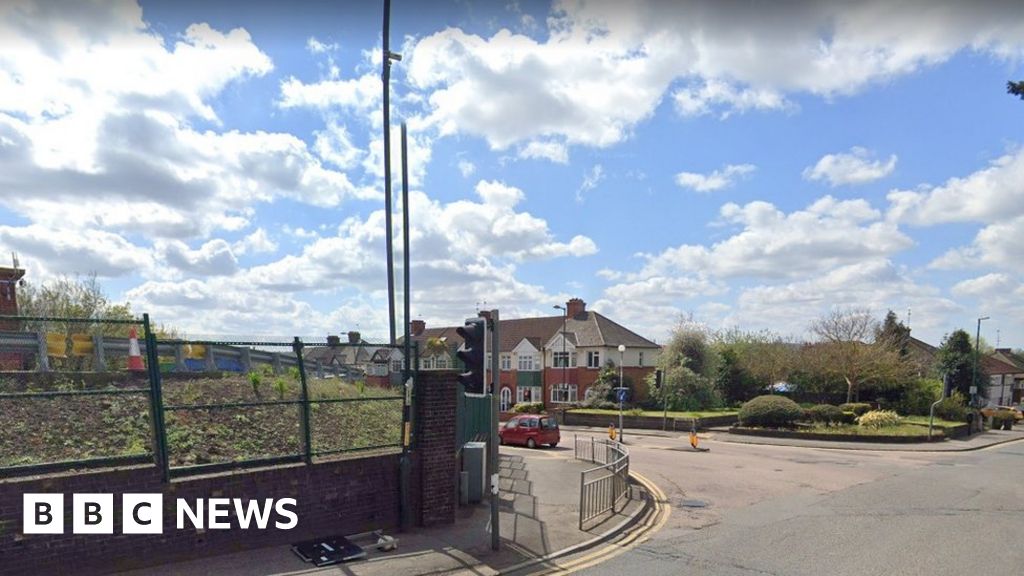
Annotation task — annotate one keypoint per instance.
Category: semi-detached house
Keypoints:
(539, 362)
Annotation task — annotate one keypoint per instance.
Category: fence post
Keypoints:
(276, 362)
(44, 359)
(211, 361)
(307, 434)
(99, 359)
(156, 401)
(179, 358)
(319, 369)
(246, 359)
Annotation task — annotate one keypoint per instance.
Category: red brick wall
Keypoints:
(333, 497)
(339, 497)
(438, 472)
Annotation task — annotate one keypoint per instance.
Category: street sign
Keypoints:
(622, 395)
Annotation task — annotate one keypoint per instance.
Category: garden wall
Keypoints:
(571, 418)
(343, 496)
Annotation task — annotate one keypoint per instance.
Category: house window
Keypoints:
(506, 361)
(561, 359)
(526, 362)
(441, 362)
(593, 359)
(427, 363)
(640, 358)
(396, 365)
(563, 393)
(529, 394)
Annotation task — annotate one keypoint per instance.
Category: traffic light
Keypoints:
(657, 379)
(474, 336)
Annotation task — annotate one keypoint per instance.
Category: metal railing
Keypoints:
(90, 397)
(604, 487)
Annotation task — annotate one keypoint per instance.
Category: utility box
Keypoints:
(474, 464)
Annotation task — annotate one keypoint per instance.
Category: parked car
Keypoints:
(530, 430)
(991, 410)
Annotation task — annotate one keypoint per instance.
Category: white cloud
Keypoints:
(466, 168)
(603, 67)
(553, 151)
(213, 258)
(773, 244)
(317, 47)
(859, 166)
(52, 251)
(258, 241)
(716, 180)
(334, 144)
(590, 181)
(987, 285)
(362, 94)
(992, 194)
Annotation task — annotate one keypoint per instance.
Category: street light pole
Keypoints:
(977, 347)
(622, 386)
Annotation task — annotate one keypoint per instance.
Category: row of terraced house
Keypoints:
(550, 359)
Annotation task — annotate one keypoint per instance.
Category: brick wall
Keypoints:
(333, 497)
(438, 467)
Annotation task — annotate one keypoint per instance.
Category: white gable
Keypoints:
(524, 347)
(555, 343)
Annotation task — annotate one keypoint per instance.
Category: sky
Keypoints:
(219, 164)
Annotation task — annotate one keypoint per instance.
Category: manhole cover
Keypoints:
(693, 503)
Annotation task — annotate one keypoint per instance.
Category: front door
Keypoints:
(506, 399)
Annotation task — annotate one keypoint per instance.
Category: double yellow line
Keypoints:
(654, 521)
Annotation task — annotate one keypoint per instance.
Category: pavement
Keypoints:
(539, 512)
(973, 442)
(745, 509)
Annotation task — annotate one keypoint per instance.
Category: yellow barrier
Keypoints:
(56, 345)
(81, 345)
(195, 351)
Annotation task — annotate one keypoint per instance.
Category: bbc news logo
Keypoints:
(143, 513)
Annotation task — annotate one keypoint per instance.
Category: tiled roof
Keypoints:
(995, 367)
(1008, 356)
(585, 329)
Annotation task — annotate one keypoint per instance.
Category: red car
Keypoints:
(531, 430)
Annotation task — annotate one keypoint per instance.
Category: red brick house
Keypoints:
(539, 364)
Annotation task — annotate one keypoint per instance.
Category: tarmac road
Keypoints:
(780, 510)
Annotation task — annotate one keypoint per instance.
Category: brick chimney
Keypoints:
(353, 338)
(333, 340)
(575, 307)
(416, 327)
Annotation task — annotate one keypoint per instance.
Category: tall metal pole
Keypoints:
(977, 345)
(492, 438)
(622, 386)
(404, 465)
(386, 77)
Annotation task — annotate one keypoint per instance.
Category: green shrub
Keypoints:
(879, 419)
(953, 408)
(917, 396)
(825, 413)
(858, 408)
(254, 380)
(848, 418)
(281, 387)
(1003, 419)
(770, 411)
(529, 408)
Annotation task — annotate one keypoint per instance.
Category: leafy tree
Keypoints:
(850, 352)
(764, 355)
(1015, 88)
(893, 333)
(956, 358)
(602, 393)
(734, 382)
(689, 365)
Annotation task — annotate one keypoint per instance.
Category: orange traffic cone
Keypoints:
(134, 356)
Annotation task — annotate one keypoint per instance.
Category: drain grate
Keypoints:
(687, 503)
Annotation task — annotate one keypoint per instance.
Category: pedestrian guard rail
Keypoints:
(604, 488)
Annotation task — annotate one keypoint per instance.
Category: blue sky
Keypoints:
(222, 168)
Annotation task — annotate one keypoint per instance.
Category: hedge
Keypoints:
(770, 411)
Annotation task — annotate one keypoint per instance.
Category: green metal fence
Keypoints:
(57, 411)
(196, 406)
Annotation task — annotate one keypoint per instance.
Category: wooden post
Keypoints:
(211, 362)
(43, 364)
(179, 358)
(246, 359)
(276, 362)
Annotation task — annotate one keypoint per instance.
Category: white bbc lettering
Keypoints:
(196, 516)
(218, 509)
(142, 513)
(42, 514)
(253, 510)
(290, 514)
(92, 514)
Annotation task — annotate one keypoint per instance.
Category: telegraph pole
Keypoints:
(388, 56)
(492, 437)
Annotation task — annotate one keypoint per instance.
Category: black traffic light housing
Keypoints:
(473, 355)
(657, 380)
